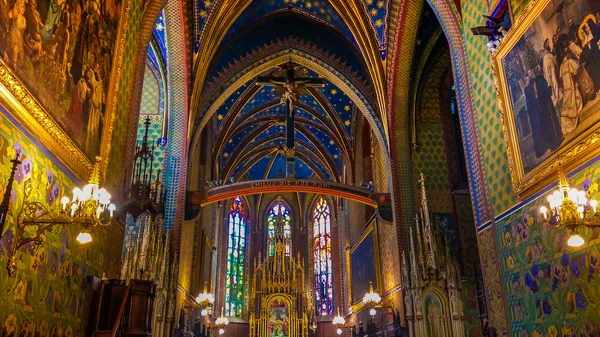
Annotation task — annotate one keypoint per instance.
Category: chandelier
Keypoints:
(572, 209)
(205, 301)
(340, 322)
(371, 298)
(89, 207)
(221, 323)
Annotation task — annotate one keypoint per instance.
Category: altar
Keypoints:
(278, 299)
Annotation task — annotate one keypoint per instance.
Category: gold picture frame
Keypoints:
(578, 145)
(370, 230)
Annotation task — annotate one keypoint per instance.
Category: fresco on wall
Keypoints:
(553, 75)
(63, 51)
(50, 278)
(552, 290)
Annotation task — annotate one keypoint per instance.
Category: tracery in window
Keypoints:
(236, 256)
(279, 209)
(322, 258)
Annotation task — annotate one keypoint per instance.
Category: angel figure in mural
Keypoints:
(435, 319)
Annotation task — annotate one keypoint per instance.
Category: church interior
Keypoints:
(299, 168)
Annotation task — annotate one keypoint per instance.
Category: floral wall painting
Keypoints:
(548, 79)
(551, 289)
(62, 51)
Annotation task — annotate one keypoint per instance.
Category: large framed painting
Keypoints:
(56, 73)
(547, 72)
(365, 267)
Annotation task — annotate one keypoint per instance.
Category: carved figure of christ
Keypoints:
(291, 88)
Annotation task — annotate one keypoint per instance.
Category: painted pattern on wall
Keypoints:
(551, 290)
(50, 279)
(489, 122)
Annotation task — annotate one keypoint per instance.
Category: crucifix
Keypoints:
(291, 87)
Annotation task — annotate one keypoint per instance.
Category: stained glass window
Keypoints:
(322, 253)
(279, 209)
(236, 254)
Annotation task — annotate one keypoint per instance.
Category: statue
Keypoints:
(435, 320)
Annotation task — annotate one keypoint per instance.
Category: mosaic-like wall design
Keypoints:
(50, 279)
(484, 99)
(551, 290)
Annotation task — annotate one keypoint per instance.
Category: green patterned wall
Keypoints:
(430, 157)
(134, 26)
(552, 290)
(152, 106)
(484, 98)
(46, 296)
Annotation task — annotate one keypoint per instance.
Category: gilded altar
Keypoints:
(278, 300)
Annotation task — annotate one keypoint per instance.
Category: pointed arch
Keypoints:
(279, 209)
(322, 250)
(236, 258)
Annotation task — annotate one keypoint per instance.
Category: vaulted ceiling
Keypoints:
(344, 42)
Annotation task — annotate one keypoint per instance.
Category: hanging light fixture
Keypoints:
(222, 321)
(205, 301)
(572, 209)
(371, 298)
(339, 321)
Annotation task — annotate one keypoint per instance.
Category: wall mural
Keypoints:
(62, 50)
(50, 278)
(552, 290)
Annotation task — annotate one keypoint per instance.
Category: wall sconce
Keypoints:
(570, 208)
(371, 298)
(205, 301)
(340, 323)
(89, 207)
(221, 323)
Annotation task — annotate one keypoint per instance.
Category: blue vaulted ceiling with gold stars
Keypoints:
(376, 10)
(249, 124)
(251, 133)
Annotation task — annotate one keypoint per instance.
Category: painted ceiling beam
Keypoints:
(349, 192)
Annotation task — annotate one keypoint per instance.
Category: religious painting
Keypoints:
(435, 316)
(279, 323)
(548, 80)
(62, 52)
(364, 260)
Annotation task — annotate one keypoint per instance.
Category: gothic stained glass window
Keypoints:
(236, 255)
(322, 253)
(279, 209)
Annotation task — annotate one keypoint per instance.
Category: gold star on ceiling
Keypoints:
(347, 108)
(347, 123)
(220, 117)
(333, 91)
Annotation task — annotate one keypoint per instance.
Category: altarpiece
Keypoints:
(278, 302)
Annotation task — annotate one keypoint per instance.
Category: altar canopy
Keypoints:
(278, 296)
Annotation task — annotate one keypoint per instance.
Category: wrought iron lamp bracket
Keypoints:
(44, 219)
